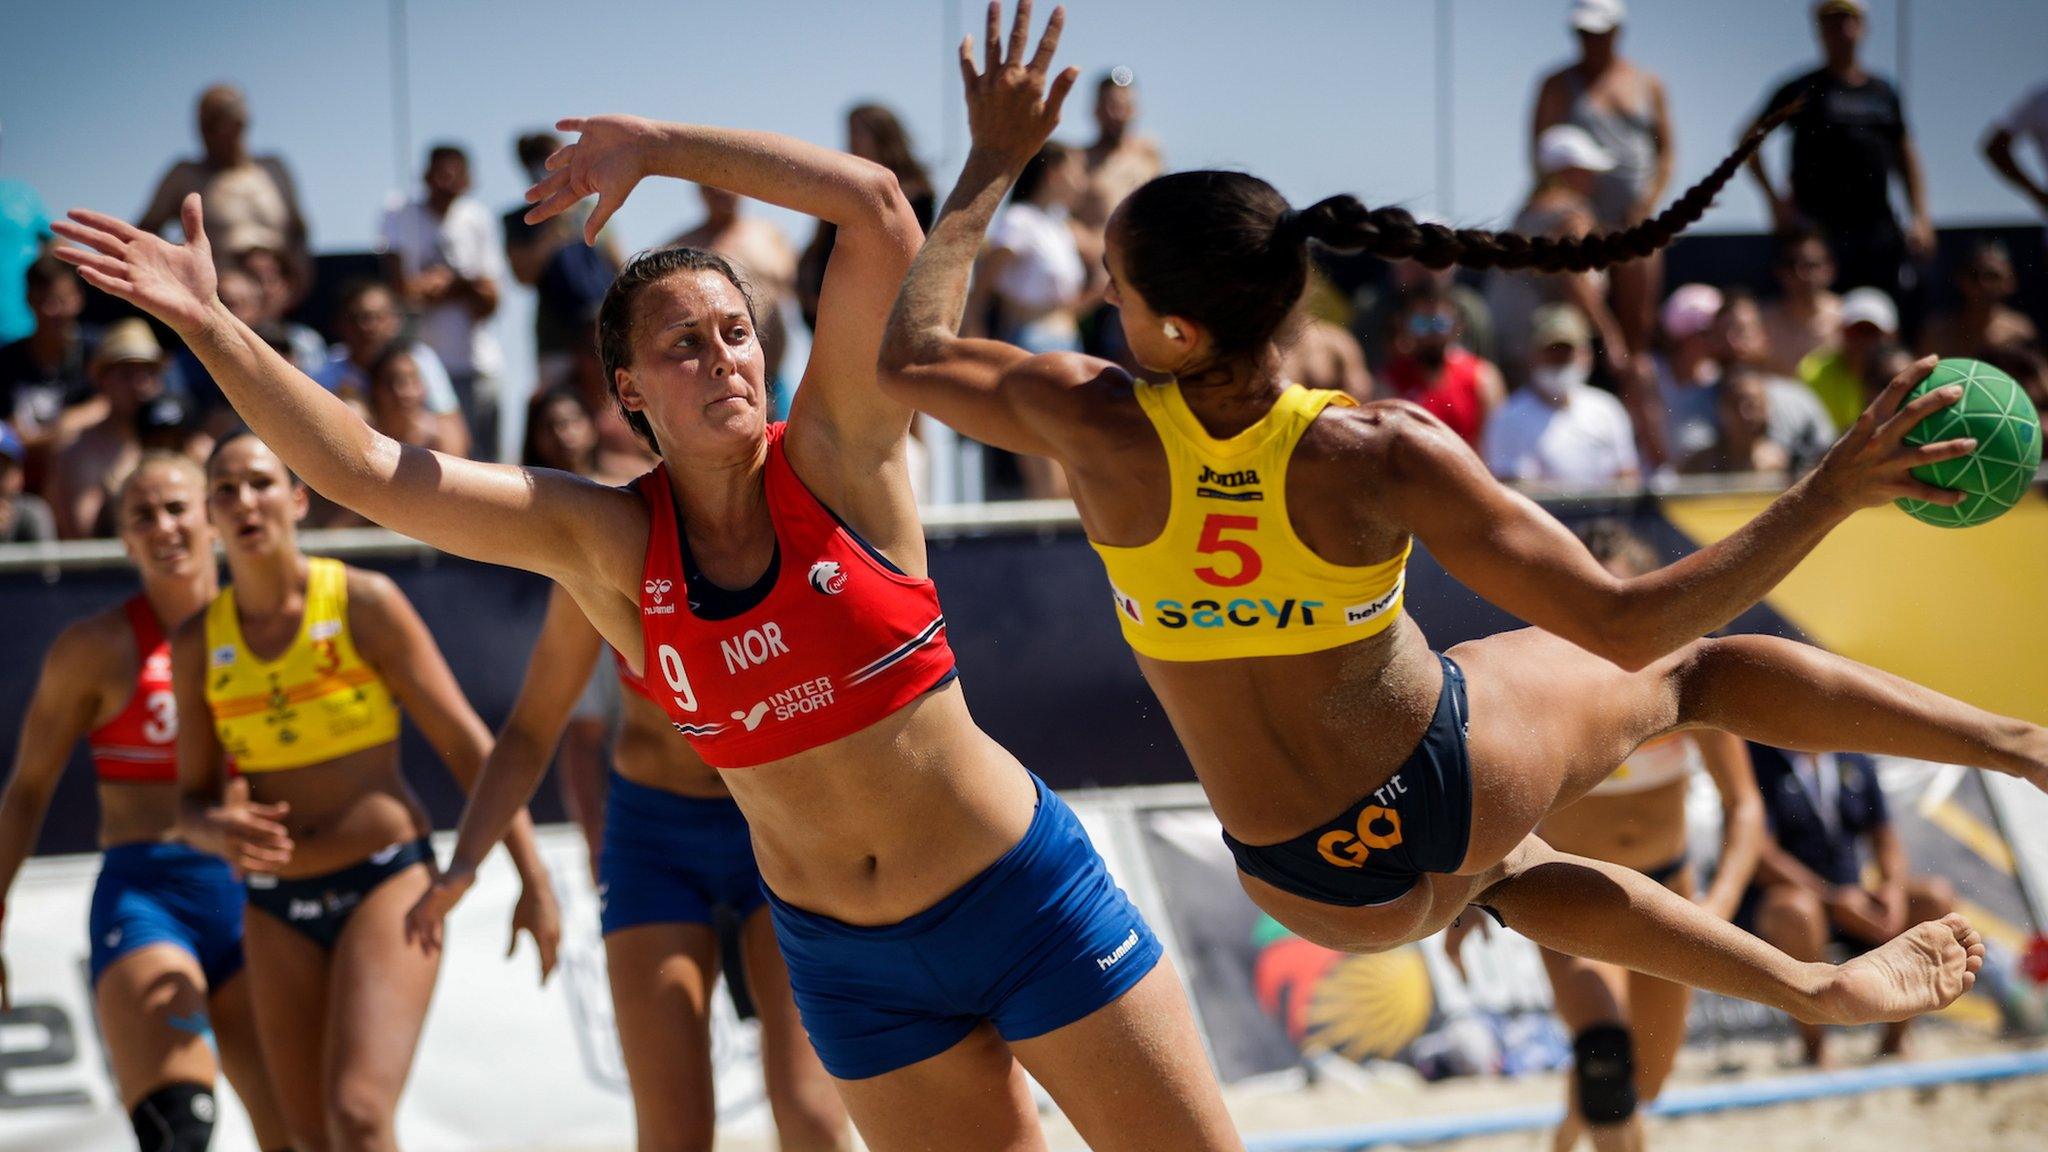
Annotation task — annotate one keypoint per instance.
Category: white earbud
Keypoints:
(1172, 330)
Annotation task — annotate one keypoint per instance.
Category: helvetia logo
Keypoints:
(827, 577)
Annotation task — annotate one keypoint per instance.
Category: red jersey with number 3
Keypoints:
(140, 744)
(840, 640)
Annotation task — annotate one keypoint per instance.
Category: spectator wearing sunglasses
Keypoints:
(1431, 368)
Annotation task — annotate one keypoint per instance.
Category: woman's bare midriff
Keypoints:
(133, 813)
(650, 752)
(880, 825)
(342, 810)
(1641, 830)
(1285, 743)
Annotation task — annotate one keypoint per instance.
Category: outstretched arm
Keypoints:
(983, 388)
(544, 521)
(561, 663)
(65, 702)
(840, 428)
(1504, 547)
(395, 641)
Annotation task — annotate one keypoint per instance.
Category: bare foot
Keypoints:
(1924, 968)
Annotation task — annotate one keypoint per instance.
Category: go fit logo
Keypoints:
(1350, 847)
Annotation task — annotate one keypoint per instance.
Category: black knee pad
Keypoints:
(174, 1118)
(1606, 1073)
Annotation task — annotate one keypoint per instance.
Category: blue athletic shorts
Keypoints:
(152, 893)
(1038, 940)
(670, 859)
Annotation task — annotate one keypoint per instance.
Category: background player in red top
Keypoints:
(166, 919)
(943, 915)
(670, 853)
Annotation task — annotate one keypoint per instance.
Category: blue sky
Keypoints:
(1319, 96)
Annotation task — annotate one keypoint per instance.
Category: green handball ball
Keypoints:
(1996, 412)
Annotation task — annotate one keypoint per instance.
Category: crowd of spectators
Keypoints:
(1582, 380)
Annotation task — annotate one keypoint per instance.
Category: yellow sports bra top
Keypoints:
(1228, 577)
(317, 702)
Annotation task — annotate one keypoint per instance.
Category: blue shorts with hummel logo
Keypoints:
(1041, 938)
(166, 893)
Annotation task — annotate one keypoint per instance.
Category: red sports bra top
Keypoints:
(140, 744)
(840, 640)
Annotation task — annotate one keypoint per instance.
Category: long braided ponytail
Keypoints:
(1225, 250)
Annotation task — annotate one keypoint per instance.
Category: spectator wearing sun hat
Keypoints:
(127, 370)
(1688, 370)
(1556, 428)
(1559, 206)
(1847, 375)
(1623, 107)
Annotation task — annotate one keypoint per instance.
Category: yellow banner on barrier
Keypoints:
(1963, 611)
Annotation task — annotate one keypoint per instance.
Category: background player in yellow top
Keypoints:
(299, 669)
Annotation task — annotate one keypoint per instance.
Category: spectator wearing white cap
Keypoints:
(127, 369)
(1848, 141)
(2028, 119)
(1622, 107)
(1556, 428)
(1560, 205)
(1846, 376)
(1688, 371)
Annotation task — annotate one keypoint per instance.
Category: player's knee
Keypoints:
(1791, 913)
(1605, 1076)
(686, 1136)
(1931, 897)
(357, 1117)
(174, 1118)
(812, 1120)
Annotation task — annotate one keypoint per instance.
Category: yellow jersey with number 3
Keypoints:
(1228, 577)
(317, 701)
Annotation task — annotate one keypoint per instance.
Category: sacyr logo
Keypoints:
(657, 589)
(827, 577)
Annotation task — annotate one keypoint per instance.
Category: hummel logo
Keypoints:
(657, 589)
(1105, 963)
